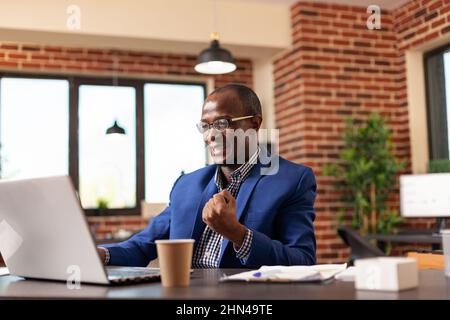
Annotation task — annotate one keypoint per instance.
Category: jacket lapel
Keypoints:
(207, 194)
(244, 194)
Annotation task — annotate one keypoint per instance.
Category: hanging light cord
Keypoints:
(215, 33)
(115, 67)
(115, 76)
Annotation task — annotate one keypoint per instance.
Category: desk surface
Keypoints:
(205, 285)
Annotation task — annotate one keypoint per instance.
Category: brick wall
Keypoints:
(49, 59)
(336, 68)
(24, 57)
(416, 23)
(107, 228)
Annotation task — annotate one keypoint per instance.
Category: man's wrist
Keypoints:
(238, 237)
(243, 252)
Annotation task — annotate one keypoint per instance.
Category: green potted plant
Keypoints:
(102, 206)
(439, 166)
(367, 174)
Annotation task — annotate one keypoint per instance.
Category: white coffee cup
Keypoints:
(446, 247)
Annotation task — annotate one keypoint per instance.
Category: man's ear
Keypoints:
(257, 120)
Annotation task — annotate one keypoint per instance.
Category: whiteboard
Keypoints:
(425, 195)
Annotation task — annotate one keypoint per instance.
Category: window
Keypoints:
(34, 126)
(172, 142)
(437, 66)
(59, 127)
(107, 163)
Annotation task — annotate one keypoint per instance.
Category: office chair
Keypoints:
(360, 247)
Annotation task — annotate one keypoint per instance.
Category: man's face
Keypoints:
(224, 146)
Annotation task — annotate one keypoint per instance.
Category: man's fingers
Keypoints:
(217, 206)
(207, 206)
(211, 210)
(228, 196)
(206, 211)
(219, 201)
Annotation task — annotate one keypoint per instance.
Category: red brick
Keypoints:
(31, 65)
(17, 56)
(40, 57)
(31, 48)
(431, 36)
(52, 66)
(9, 64)
(9, 46)
(435, 5)
(445, 9)
(445, 29)
(52, 49)
(438, 23)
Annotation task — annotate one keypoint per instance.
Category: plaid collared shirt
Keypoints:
(207, 252)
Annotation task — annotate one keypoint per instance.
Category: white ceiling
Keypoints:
(385, 4)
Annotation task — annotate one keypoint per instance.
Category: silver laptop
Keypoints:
(44, 235)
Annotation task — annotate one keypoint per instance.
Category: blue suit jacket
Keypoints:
(277, 208)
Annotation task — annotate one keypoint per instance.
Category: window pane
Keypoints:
(436, 106)
(34, 127)
(172, 142)
(107, 163)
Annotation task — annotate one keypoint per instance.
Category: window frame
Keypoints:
(432, 149)
(74, 83)
(74, 138)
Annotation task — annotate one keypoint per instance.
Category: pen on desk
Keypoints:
(260, 274)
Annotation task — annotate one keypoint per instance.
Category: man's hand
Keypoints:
(219, 214)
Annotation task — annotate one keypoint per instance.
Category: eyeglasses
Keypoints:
(220, 124)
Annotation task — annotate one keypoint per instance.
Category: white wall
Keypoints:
(249, 28)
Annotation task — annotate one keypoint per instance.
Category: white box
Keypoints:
(446, 246)
(386, 274)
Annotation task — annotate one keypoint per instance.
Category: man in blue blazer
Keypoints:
(240, 214)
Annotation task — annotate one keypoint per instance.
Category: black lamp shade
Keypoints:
(215, 60)
(115, 129)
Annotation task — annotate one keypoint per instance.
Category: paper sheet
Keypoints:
(4, 272)
(289, 274)
(346, 275)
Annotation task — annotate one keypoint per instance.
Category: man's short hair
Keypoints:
(246, 96)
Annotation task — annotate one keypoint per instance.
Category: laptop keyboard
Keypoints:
(133, 274)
